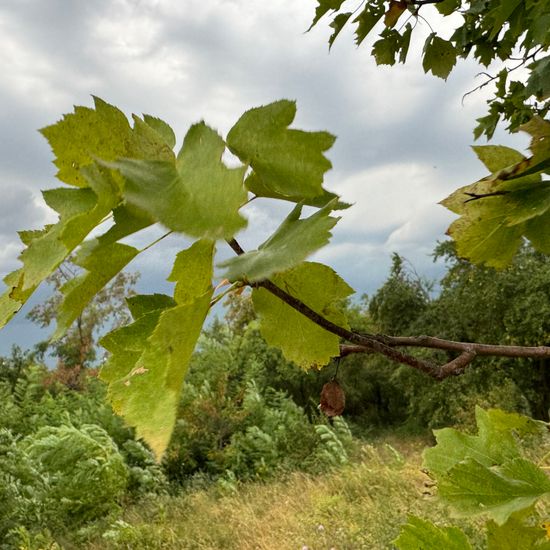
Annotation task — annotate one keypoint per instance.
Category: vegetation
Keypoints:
(66, 474)
(250, 443)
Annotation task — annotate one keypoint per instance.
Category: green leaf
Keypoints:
(9, 306)
(256, 186)
(498, 211)
(192, 271)
(385, 49)
(293, 241)
(142, 304)
(497, 157)
(80, 210)
(367, 19)
(286, 161)
(14, 297)
(405, 43)
(500, 15)
(485, 473)
(103, 132)
(102, 263)
(149, 358)
(484, 236)
(323, 6)
(419, 534)
(447, 7)
(495, 443)
(338, 24)
(539, 79)
(198, 195)
(299, 338)
(439, 56)
(474, 488)
(514, 534)
(162, 129)
(128, 220)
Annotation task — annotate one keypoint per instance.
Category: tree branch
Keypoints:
(385, 345)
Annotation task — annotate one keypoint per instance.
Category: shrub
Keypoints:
(86, 472)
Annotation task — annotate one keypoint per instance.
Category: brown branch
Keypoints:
(479, 349)
(385, 345)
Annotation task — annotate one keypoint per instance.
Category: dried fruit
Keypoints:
(333, 399)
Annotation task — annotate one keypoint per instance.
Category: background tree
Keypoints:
(77, 348)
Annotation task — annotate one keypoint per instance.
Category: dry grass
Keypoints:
(359, 507)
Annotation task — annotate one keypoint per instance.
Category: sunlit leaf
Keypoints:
(286, 161)
(104, 132)
(292, 242)
(299, 338)
(149, 357)
(419, 534)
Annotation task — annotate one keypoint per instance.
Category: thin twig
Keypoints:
(156, 241)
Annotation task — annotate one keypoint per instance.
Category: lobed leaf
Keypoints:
(80, 210)
(198, 195)
(299, 338)
(495, 443)
(497, 212)
(439, 56)
(104, 132)
(324, 6)
(474, 488)
(515, 534)
(149, 358)
(284, 161)
(293, 241)
(419, 534)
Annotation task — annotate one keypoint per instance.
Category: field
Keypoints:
(361, 506)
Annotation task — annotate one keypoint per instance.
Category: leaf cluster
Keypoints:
(512, 32)
(130, 177)
(486, 474)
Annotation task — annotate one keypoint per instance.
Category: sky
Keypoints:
(403, 136)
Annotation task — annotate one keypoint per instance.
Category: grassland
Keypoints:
(361, 506)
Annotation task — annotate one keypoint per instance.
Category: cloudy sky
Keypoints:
(402, 136)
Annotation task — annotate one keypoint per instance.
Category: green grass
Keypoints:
(360, 506)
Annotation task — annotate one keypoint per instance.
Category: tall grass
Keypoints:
(360, 506)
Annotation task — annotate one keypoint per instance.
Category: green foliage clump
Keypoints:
(489, 474)
(251, 436)
(87, 474)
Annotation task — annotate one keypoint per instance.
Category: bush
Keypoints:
(86, 472)
(252, 436)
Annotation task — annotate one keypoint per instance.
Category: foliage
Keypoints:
(86, 473)
(490, 474)
(494, 30)
(400, 300)
(245, 433)
(132, 174)
(500, 210)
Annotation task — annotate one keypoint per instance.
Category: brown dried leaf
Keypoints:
(394, 13)
(333, 399)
